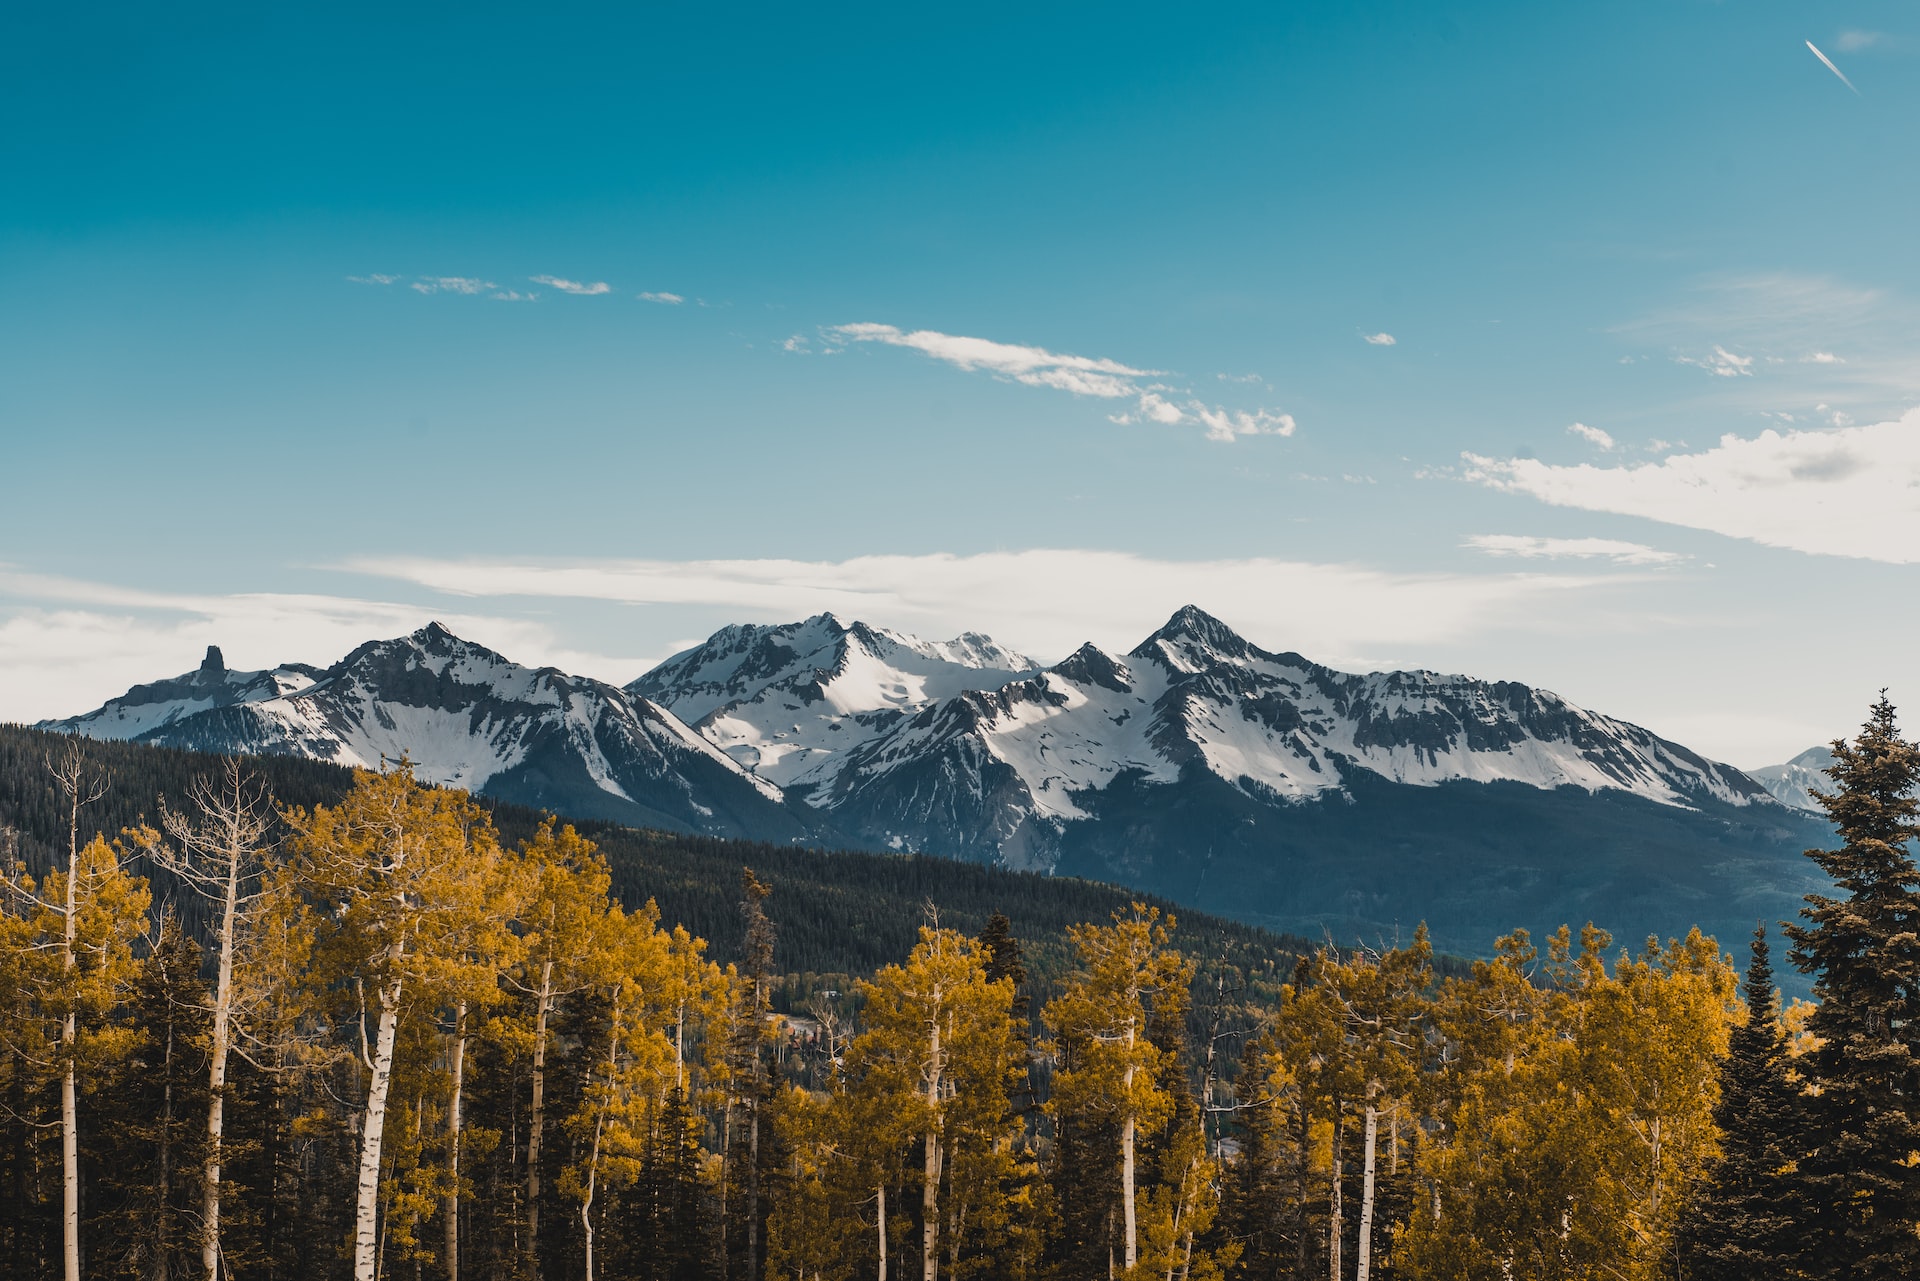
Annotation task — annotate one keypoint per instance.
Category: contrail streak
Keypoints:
(1830, 67)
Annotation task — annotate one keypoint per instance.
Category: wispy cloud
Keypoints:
(1592, 435)
(1528, 547)
(1845, 491)
(1853, 41)
(1721, 363)
(514, 295)
(1830, 67)
(1079, 375)
(451, 285)
(1381, 339)
(583, 288)
(671, 300)
(373, 278)
(1048, 601)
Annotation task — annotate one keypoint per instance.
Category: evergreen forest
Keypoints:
(266, 1018)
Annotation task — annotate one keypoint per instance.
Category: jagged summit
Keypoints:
(215, 663)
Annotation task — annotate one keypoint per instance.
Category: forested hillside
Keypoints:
(414, 1035)
(841, 912)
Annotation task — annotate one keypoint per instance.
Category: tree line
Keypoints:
(414, 1048)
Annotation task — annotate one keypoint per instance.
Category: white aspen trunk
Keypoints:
(930, 1189)
(537, 1121)
(883, 1232)
(70, 1158)
(1364, 1265)
(586, 1205)
(367, 1209)
(1335, 1224)
(69, 1046)
(1126, 1163)
(457, 1065)
(217, 1077)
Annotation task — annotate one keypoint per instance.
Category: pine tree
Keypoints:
(1740, 1224)
(1856, 1180)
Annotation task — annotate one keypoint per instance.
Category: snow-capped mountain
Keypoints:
(1256, 784)
(1260, 785)
(468, 718)
(1794, 783)
(952, 748)
(790, 702)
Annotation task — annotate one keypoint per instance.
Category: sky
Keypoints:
(1576, 345)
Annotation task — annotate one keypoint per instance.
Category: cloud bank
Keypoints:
(1851, 491)
(1049, 601)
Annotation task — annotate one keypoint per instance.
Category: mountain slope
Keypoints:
(469, 718)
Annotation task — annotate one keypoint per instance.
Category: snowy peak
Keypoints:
(1794, 783)
(1194, 640)
(788, 701)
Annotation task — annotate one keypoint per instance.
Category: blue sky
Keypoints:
(317, 323)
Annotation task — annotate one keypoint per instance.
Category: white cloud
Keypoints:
(1079, 375)
(514, 295)
(452, 285)
(373, 278)
(1854, 41)
(1592, 435)
(1241, 378)
(671, 300)
(1824, 358)
(1721, 364)
(1049, 601)
(1381, 339)
(1035, 366)
(1848, 491)
(1533, 548)
(583, 288)
(67, 645)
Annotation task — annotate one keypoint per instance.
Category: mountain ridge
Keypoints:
(1195, 764)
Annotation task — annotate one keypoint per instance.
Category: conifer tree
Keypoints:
(1856, 1179)
(1741, 1223)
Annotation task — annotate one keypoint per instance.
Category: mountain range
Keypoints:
(1197, 765)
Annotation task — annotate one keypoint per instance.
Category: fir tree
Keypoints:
(1856, 1180)
(1740, 1224)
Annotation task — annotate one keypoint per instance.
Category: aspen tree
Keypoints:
(1380, 1006)
(82, 922)
(403, 875)
(564, 916)
(221, 854)
(633, 1072)
(947, 1033)
(1103, 1011)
